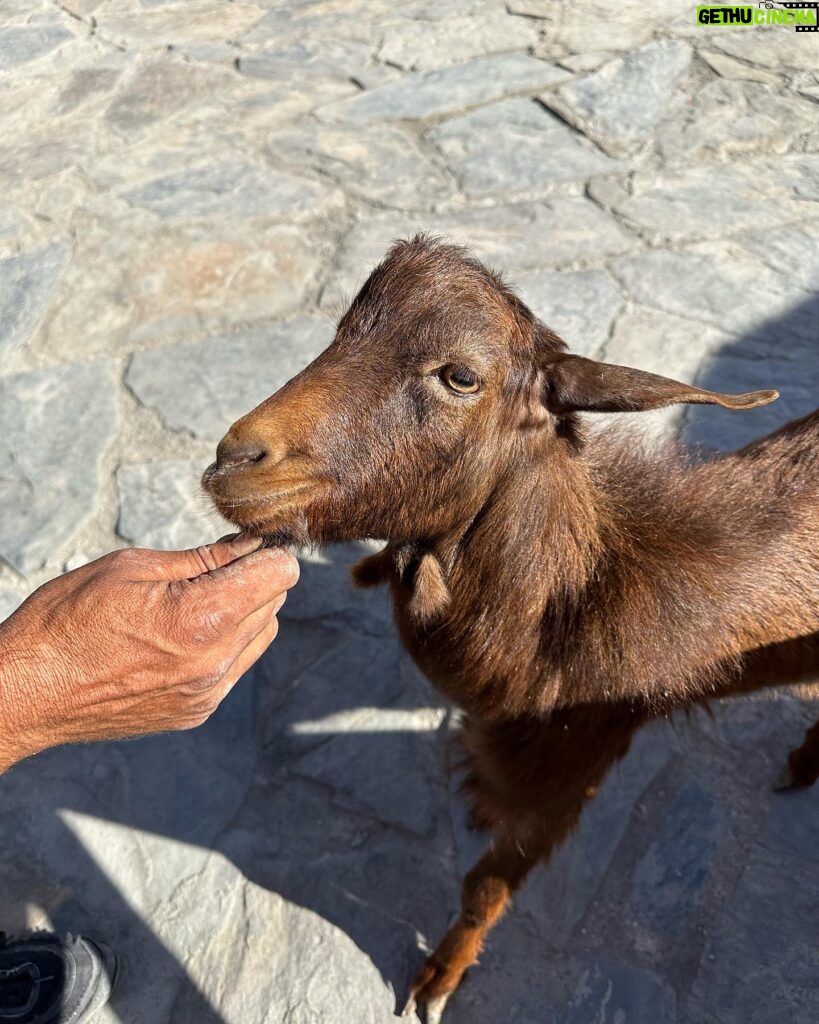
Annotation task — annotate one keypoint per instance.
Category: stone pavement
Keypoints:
(190, 192)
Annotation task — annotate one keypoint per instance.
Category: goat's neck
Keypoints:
(569, 584)
(478, 593)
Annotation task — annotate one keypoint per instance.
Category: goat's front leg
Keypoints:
(485, 893)
(802, 768)
(535, 777)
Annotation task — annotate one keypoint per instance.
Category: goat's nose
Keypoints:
(230, 454)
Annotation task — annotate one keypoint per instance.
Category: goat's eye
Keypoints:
(460, 379)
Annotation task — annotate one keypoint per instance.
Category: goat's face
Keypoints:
(403, 425)
(437, 383)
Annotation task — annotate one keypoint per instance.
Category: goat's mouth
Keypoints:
(261, 507)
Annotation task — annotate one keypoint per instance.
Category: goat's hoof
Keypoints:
(434, 1008)
(785, 780)
(796, 775)
(431, 989)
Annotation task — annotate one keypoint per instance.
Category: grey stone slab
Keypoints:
(278, 105)
(621, 104)
(49, 490)
(296, 966)
(447, 90)
(760, 963)
(532, 8)
(711, 282)
(88, 83)
(441, 10)
(582, 62)
(338, 691)
(418, 45)
(228, 190)
(161, 28)
(27, 43)
(383, 163)
(732, 118)
(580, 305)
(309, 57)
(386, 764)
(223, 378)
(355, 725)
(672, 874)
(791, 250)
(11, 223)
(695, 203)
(792, 824)
(162, 506)
(635, 24)
(799, 171)
(728, 67)
(775, 47)
(662, 343)
(27, 283)
(558, 897)
(136, 818)
(612, 993)
(530, 148)
(547, 234)
(328, 593)
(43, 152)
(514, 239)
(137, 280)
(160, 89)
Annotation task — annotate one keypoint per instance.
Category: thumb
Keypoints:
(185, 565)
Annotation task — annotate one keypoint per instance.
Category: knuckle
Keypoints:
(193, 721)
(202, 622)
(211, 674)
(127, 557)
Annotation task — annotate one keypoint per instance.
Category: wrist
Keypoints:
(19, 736)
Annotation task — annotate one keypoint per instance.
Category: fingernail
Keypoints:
(244, 543)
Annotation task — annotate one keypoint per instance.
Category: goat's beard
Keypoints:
(295, 534)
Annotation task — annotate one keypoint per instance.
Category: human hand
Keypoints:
(136, 642)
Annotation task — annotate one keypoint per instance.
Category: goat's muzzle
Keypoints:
(253, 485)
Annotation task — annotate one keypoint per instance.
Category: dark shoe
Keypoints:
(48, 979)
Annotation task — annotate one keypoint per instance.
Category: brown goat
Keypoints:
(562, 589)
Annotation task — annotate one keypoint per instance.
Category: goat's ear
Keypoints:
(575, 384)
(373, 570)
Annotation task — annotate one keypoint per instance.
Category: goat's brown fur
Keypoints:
(561, 587)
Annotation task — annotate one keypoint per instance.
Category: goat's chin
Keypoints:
(287, 535)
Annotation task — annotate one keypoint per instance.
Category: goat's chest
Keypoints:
(480, 657)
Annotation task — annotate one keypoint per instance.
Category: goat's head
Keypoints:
(437, 381)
